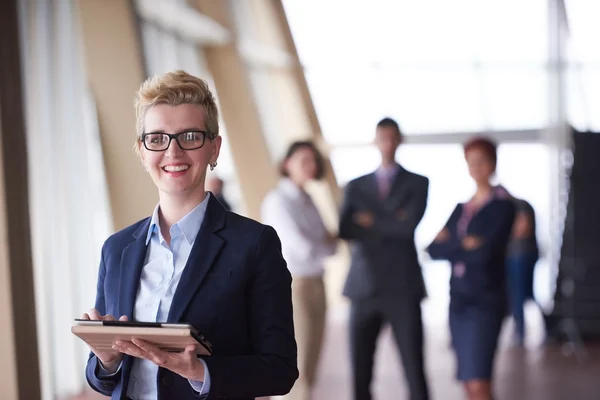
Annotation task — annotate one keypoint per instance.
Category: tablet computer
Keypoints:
(100, 335)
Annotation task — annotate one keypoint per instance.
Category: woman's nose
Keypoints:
(173, 150)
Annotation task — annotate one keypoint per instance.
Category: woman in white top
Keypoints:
(305, 244)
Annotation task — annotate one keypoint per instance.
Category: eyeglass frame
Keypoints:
(175, 136)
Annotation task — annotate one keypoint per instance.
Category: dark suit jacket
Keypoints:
(235, 289)
(223, 201)
(384, 257)
(484, 266)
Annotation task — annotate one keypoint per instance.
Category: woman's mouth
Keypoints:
(175, 168)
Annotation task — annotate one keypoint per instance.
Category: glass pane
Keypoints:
(415, 32)
(351, 162)
(590, 78)
(425, 31)
(513, 31)
(348, 104)
(578, 113)
(422, 102)
(584, 30)
(432, 100)
(515, 99)
(425, 63)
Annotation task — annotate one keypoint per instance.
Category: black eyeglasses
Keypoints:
(190, 140)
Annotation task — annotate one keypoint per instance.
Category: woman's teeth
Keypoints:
(175, 168)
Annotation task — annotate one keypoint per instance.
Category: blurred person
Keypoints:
(192, 262)
(215, 185)
(523, 254)
(475, 240)
(305, 244)
(379, 215)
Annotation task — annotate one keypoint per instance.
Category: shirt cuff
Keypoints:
(101, 372)
(202, 387)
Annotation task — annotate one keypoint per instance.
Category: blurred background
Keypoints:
(523, 72)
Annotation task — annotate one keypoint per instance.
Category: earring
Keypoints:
(213, 165)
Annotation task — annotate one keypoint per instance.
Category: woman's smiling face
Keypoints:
(178, 172)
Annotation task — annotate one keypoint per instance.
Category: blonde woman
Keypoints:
(192, 262)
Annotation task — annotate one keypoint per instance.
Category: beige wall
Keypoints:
(115, 70)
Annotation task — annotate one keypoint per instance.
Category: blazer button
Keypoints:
(167, 380)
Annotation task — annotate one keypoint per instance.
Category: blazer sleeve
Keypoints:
(348, 229)
(494, 237)
(402, 227)
(449, 248)
(105, 384)
(271, 369)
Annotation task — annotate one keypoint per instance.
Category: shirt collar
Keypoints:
(189, 225)
(387, 172)
(291, 189)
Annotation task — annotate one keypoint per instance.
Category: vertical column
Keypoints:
(299, 121)
(297, 75)
(19, 370)
(557, 135)
(115, 69)
(256, 172)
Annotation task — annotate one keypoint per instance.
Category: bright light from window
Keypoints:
(436, 66)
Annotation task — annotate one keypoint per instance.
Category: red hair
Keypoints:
(487, 146)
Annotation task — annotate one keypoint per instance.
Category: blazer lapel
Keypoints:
(132, 262)
(206, 248)
(398, 185)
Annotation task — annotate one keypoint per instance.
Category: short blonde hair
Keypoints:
(175, 88)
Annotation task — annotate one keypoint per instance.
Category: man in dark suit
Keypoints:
(379, 215)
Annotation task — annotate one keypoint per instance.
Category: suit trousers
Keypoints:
(309, 301)
(367, 317)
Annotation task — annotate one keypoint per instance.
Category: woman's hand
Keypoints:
(443, 236)
(364, 219)
(110, 360)
(185, 364)
(472, 242)
(522, 226)
(331, 238)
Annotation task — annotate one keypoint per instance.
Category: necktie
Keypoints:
(384, 185)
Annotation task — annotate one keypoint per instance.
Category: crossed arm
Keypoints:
(476, 246)
(357, 224)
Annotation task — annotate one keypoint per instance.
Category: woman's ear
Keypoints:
(216, 148)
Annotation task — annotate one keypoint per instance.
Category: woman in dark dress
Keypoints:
(474, 241)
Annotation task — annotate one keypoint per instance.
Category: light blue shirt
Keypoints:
(159, 279)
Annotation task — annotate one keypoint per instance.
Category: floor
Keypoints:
(533, 373)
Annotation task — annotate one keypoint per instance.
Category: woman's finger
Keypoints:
(157, 356)
(94, 314)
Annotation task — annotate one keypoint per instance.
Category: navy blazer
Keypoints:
(235, 289)
(384, 260)
(484, 266)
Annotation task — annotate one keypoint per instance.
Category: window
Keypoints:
(583, 78)
(438, 67)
